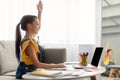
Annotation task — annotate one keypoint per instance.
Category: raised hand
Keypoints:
(39, 6)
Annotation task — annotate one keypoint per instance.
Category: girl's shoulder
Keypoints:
(27, 39)
(113, 60)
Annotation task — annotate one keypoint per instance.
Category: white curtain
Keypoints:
(11, 11)
(64, 22)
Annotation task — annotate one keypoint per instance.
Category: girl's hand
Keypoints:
(60, 65)
(39, 6)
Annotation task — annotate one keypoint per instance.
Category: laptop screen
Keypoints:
(96, 56)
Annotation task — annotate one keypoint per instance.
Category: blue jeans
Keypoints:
(110, 63)
(23, 69)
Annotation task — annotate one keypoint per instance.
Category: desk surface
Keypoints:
(114, 66)
(76, 74)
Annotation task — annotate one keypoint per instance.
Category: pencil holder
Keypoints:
(83, 56)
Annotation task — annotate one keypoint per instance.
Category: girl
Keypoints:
(113, 72)
(28, 45)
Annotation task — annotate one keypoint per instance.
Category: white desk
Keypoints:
(81, 73)
(114, 66)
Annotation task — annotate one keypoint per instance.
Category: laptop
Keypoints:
(95, 59)
(96, 56)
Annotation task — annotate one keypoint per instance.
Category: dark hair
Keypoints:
(109, 50)
(24, 21)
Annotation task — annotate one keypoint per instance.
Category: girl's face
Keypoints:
(35, 26)
(110, 53)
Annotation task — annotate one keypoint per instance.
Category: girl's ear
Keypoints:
(29, 26)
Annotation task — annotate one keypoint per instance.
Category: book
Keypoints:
(44, 72)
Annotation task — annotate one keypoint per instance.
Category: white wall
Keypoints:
(114, 44)
(98, 24)
(111, 29)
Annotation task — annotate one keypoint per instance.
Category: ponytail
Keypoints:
(17, 42)
(24, 21)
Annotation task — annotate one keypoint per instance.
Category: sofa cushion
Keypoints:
(12, 73)
(7, 78)
(55, 55)
(8, 61)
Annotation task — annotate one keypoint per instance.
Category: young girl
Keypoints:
(113, 72)
(28, 45)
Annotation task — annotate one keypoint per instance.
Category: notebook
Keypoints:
(96, 56)
(43, 72)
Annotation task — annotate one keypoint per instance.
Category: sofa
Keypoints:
(9, 64)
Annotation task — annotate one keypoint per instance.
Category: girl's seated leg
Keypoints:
(114, 73)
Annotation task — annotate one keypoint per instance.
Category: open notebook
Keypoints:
(44, 72)
(50, 73)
